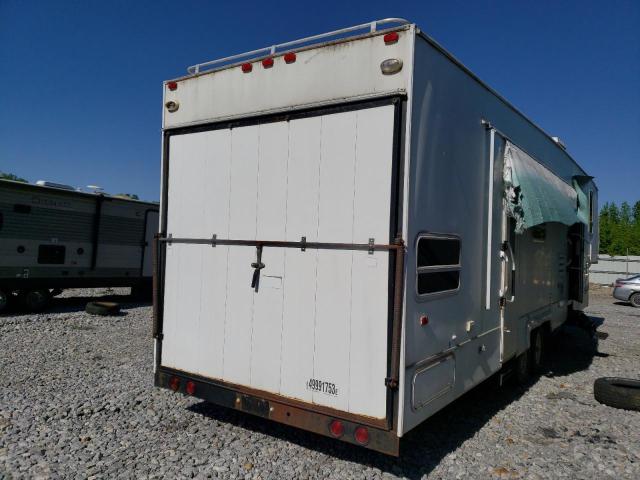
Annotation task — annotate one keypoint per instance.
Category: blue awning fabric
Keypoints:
(535, 195)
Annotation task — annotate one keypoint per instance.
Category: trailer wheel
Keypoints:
(4, 300)
(36, 300)
(538, 342)
(635, 300)
(102, 308)
(618, 392)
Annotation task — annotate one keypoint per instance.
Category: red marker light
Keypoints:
(361, 435)
(424, 320)
(247, 67)
(267, 62)
(174, 384)
(336, 428)
(391, 37)
(289, 57)
(190, 388)
(172, 86)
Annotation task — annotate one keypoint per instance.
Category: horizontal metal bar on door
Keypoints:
(284, 244)
(610, 272)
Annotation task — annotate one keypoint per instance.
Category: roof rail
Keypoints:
(272, 50)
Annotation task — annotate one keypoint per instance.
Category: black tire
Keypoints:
(36, 300)
(4, 300)
(635, 300)
(618, 392)
(537, 349)
(522, 368)
(102, 308)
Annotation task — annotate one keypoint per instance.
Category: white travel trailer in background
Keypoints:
(53, 237)
(355, 230)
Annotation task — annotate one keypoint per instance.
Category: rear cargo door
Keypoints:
(316, 327)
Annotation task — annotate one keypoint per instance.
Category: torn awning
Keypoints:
(534, 194)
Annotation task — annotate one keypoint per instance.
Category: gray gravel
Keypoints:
(77, 400)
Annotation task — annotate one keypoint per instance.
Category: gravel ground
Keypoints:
(76, 400)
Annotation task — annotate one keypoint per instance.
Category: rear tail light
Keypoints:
(247, 67)
(391, 37)
(336, 428)
(190, 387)
(289, 57)
(172, 86)
(267, 62)
(361, 435)
(174, 383)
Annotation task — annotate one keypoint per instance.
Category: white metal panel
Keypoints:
(335, 224)
(182, 299)
(370, 273)
(271, 218)
(242, 224)
(303, 177)
(324, 74)
(215, 177)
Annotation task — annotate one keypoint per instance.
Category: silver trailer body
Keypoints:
(354, 235)
(54, 238)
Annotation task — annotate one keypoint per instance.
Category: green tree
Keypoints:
(11, 176)
(620, 229)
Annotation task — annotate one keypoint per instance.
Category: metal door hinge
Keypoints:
(303, 241)
(391, 383)
(213, 240)
(372, 242)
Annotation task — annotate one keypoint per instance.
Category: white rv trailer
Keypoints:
(53, 237)
(355, 230)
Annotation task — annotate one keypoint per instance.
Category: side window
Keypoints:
(438, 264)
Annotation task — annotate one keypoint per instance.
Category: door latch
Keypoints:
(257, 266)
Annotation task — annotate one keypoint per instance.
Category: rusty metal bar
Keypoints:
(283, 244)
(396, 333)
(310, 417)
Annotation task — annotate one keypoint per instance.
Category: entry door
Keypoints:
(508, 293)
(316, 327)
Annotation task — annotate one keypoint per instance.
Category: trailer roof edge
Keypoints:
(27, 186)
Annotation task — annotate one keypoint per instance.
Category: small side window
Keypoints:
(438, 264)
(51, 254)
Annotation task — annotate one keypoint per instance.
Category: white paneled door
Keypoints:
(316, 328)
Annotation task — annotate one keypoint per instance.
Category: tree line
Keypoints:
(620, 228)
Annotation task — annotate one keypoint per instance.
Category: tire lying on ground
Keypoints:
(102, 308)
(618, 392)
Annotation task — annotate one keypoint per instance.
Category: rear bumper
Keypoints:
(279, 409)
(622, 293)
